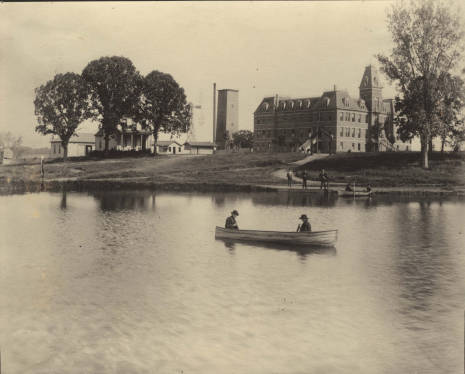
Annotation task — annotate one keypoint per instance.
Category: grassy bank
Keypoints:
(221, 169)
(391, 169)
(235, 171)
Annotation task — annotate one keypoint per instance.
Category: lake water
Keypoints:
(134, 282)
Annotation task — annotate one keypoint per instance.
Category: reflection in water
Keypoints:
(125, 200)
(63, 204)
(300, 250)
(111, 285)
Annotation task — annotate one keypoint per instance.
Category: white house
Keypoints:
(125, 139)
(79, 145)
(170, 147)
(200, 148)
(6, 156)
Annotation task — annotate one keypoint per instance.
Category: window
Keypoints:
(179, 149)
(359, 118)
(359, 146)
(341, 116)
(353, 145)
(359, 133)
(353, 132)
(353, 117)
(347, 116)
(347, 131)
(342, 131)
(342, 145)
(169, 149)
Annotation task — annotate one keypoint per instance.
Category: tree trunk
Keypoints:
(65, 151)
(430, 146)
(107, 142)
(443, 142)
(155, 140)
(424, 152)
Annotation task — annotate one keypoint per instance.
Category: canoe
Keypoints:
(356, 194)
(314, 238)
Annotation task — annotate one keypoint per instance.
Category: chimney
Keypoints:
(335, 88)
(214, 112)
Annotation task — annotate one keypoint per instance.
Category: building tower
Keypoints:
(228, 116)
(371, 93)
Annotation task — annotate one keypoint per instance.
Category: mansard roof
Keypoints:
(339, 99)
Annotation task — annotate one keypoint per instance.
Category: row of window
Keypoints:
(343, 116)
(352, 117)
(355, 146)
(352, 132)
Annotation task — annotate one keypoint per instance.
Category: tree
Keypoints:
(62, 104)
(451, 110)
(117, 86)
(243, 138)
(428, 43)
(163, 105)
(8, 140)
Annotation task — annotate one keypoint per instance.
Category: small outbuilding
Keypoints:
(170, 147)
(6, 156)
(200, 148)
(79, 145)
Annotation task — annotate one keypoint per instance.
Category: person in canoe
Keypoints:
(349, 188)
(231, 221)
(305, 225)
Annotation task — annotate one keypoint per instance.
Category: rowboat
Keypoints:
(314, 238)
(356, 194)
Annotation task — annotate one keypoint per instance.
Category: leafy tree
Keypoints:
(163, 105)
(451, 110)
(243, 138)
(8, 140)
(117, 86)
(61, 105)
(428, 43)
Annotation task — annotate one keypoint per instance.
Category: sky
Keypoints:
(295, 49)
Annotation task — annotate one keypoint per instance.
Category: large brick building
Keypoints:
(332, 122)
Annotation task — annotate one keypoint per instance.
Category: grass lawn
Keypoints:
(378, 169)
(391, 169)
(234, 168)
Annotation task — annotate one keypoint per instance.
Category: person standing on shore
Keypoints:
(323, 180)
(304, 179)
(289, 178)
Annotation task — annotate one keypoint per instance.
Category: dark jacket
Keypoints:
(231, 223)
(305, 226)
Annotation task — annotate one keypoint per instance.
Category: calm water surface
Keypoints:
(134, 282)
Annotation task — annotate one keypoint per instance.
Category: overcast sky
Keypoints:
(259, 48)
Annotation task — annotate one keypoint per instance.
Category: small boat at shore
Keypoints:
(357, 194)
(326, 238)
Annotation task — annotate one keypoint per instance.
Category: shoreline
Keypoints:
(21, 186)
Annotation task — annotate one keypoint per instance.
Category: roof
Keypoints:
(127, 130)
(167, 142)
(201, 144)
(83, 137)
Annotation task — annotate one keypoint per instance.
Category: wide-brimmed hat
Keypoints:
(235, 212)
(303, 216)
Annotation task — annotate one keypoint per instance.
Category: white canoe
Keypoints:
(315, 238)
